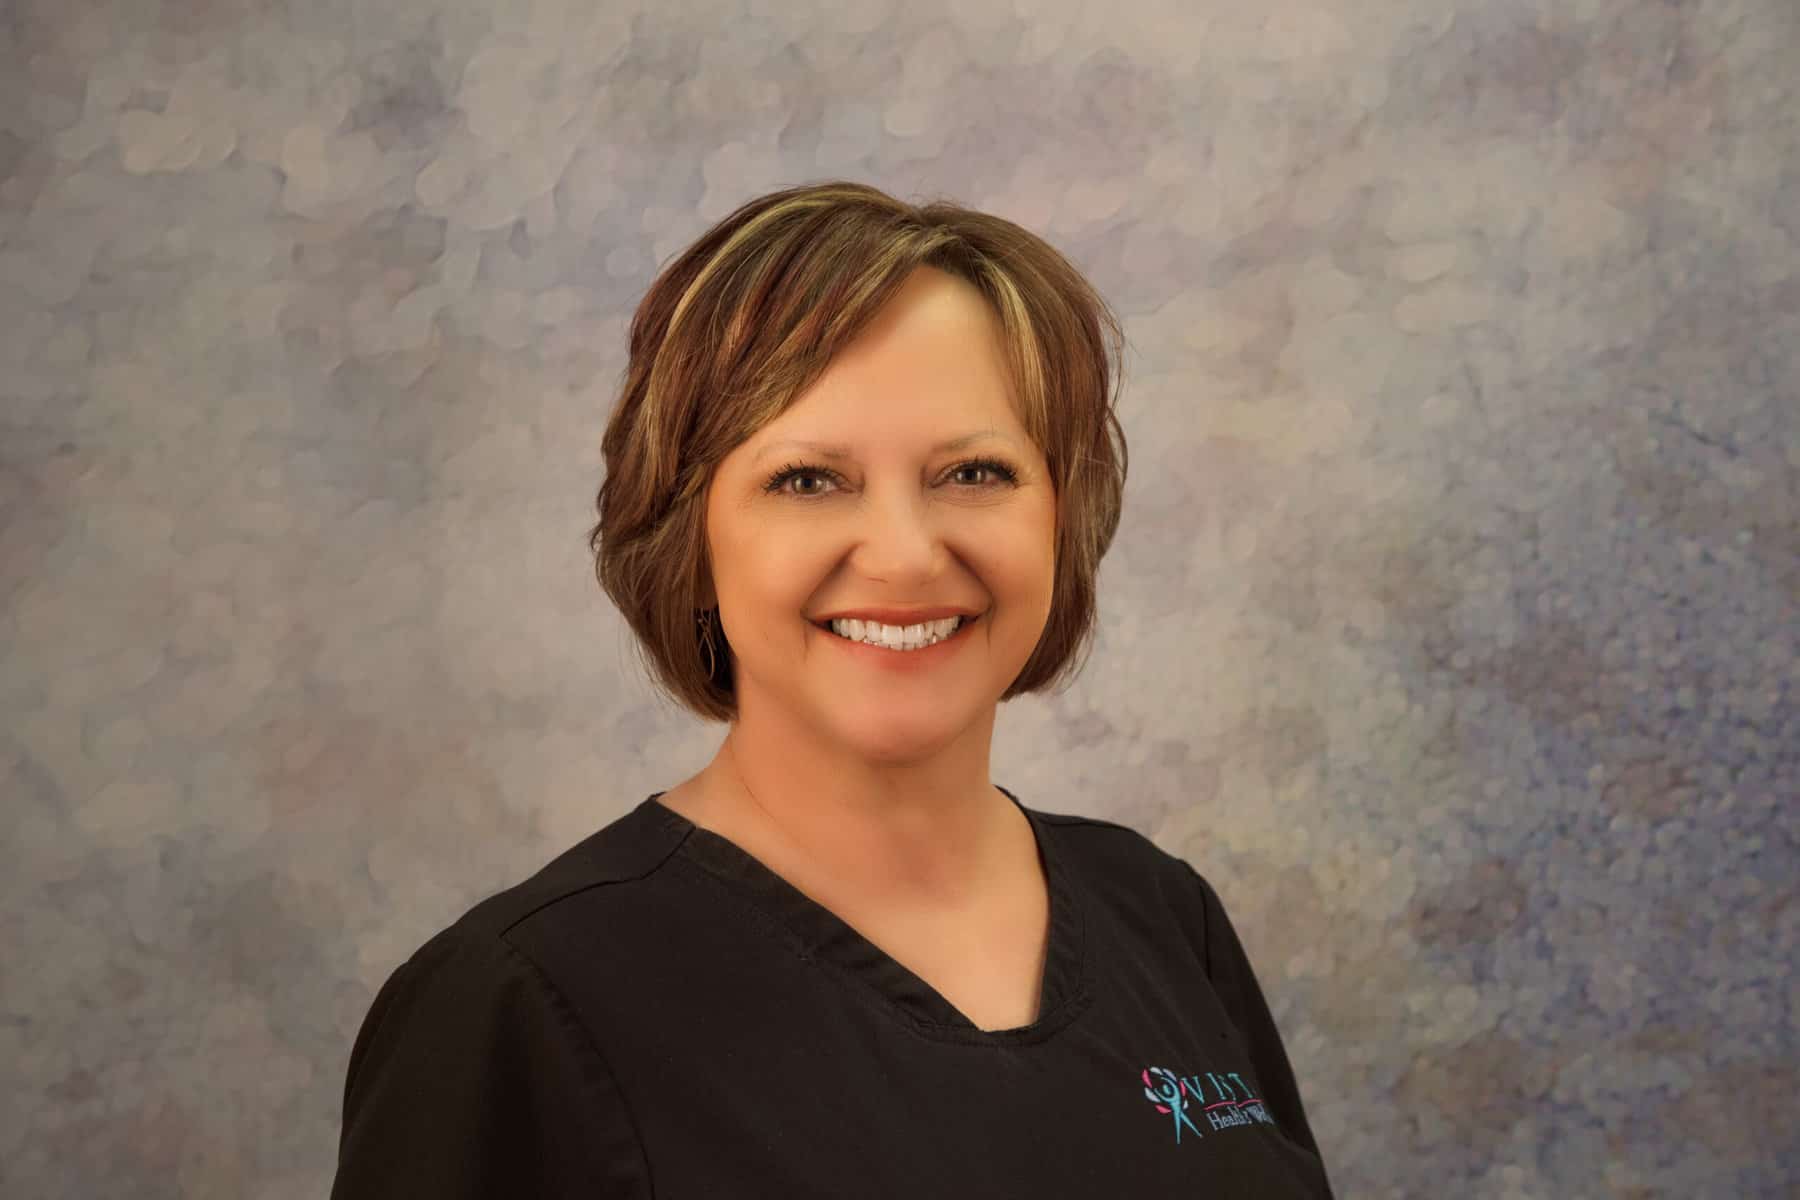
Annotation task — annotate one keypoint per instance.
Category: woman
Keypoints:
(858, 488)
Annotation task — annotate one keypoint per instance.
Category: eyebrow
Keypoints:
(839, 451)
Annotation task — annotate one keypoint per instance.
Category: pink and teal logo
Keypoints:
(1227, 1104)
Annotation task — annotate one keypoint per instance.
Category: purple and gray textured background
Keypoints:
(1451, 629)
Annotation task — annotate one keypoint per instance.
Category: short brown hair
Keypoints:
(748, 317)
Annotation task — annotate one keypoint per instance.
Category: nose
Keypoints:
(901, 537)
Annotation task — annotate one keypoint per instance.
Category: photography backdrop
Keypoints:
(1451, 629)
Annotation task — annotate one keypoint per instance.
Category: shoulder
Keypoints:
(475, 1074)
(1151, 888)
(485, 959)
(1115, 846)
(1131, 872)
(596, 870)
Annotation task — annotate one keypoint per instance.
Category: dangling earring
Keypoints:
(703, 620)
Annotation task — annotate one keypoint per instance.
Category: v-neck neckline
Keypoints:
(826, 936)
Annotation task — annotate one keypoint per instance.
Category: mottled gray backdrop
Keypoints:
(1451, 629)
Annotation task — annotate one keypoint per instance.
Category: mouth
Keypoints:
(962, 623)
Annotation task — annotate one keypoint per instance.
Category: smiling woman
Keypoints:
(736, 336)
(859, 484)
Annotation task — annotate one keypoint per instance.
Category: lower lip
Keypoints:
(901, 660)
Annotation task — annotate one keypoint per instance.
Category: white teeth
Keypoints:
(897, 637)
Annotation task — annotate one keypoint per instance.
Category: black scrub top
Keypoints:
(656, 1013)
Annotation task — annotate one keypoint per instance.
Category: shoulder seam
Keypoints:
(1083, 819)
(570, 892)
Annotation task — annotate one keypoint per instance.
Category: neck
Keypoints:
(926, 835)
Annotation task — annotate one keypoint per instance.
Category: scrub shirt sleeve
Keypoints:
(1235, 982)
(472, 1077)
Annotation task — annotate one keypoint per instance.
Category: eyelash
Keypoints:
(1006, 474)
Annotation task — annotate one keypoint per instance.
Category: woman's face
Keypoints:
(891, 521)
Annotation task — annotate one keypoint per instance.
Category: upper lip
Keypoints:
(898, 616)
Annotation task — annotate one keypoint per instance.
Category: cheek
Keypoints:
(780, 575)
(1028, 564)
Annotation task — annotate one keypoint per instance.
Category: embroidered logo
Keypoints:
(1228, 1103)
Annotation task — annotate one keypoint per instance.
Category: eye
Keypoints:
(1004, 475)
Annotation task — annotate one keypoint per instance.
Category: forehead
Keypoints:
(929, 370)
